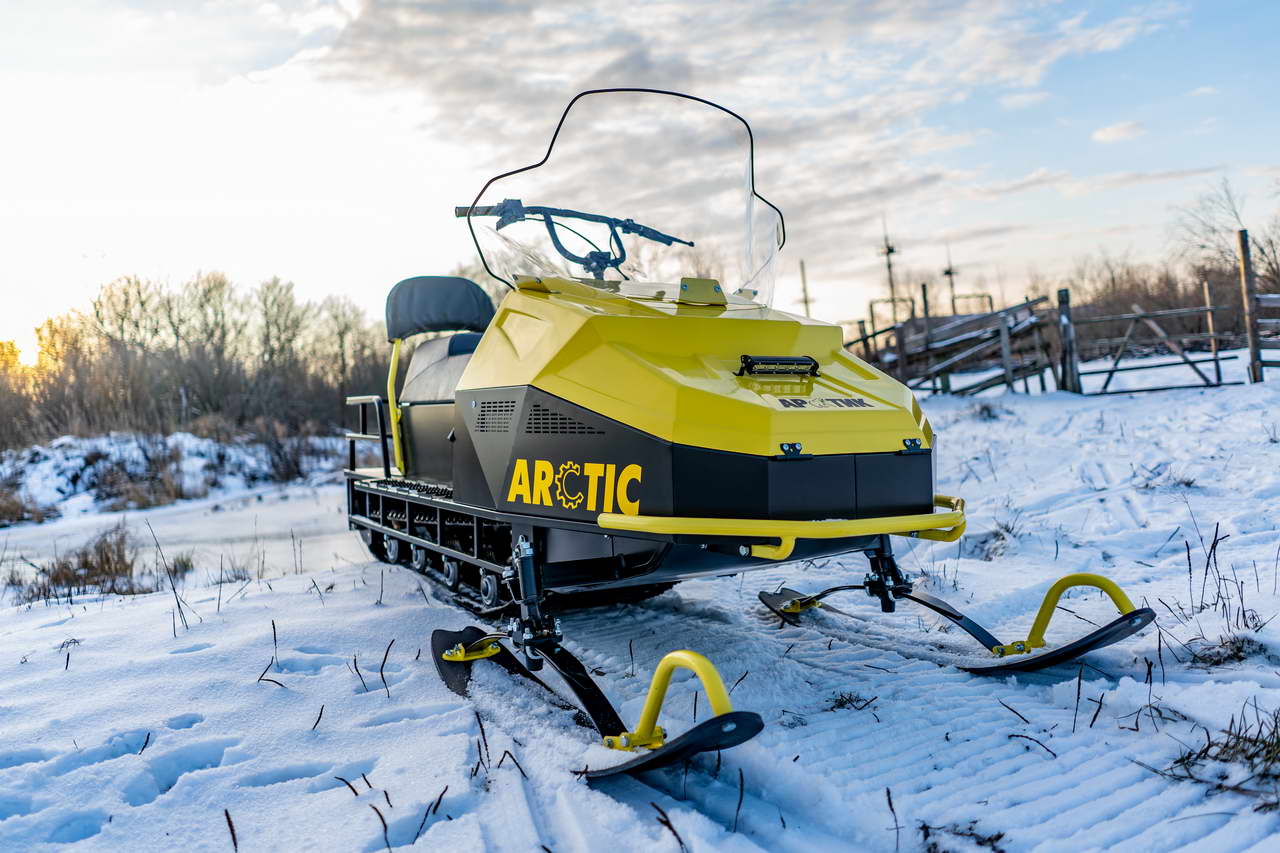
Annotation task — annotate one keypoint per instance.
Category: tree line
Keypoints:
(205, 356)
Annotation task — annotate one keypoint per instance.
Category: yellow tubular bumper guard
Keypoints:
(947, 526)
(1036, 638)
(393, 407)
(648, 733)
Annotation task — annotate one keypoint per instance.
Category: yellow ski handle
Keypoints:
(647, 731)
(1035, 639)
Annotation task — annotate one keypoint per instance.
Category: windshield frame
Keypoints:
(751, 161)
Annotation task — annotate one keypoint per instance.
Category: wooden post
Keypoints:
(1040, 351)
(900, 341)
(1248, 292)
(804, 289)
(1067, 332)
(866, 342)
(928, 357)
(1213, 337)
(1005, 354)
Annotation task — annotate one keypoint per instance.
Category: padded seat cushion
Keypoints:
(436, 367)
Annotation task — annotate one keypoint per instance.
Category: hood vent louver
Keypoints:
(495, 415)
(544, 421)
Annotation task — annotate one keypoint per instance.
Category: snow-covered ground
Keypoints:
(148, 731)
(73, 476)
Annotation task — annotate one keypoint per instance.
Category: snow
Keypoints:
(74, 476)
(150, 730)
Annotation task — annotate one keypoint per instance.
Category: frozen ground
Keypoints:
(140, 739)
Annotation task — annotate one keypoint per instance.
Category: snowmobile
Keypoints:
(634, 413)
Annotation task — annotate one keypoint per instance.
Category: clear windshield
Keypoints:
(637, 186)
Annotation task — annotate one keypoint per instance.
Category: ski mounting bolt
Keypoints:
(743, 550)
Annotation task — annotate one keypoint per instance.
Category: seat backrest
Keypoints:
(436, 303)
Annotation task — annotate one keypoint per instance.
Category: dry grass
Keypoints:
(103, 565)
(1243, 758)
(14, 508)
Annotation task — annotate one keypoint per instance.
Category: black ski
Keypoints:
(1113, 632)
(775, 601)
(720, 732)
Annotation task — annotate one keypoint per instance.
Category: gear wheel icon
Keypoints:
(567, 499)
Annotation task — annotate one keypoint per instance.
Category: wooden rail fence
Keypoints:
(1025, 341)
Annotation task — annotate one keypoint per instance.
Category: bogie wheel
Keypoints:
(374, 542)
(393, 548)
(418, 558)
(490, 589)
(452, 572)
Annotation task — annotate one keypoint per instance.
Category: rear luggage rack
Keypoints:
(380, 408)
(778, 365)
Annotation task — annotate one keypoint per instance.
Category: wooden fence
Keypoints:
(1025, 342)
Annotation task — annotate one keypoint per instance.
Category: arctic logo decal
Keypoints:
(823, 403)
(590, 486)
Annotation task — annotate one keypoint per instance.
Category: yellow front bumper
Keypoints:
(946, 526)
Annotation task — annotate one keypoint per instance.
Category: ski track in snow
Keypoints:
(142, 739)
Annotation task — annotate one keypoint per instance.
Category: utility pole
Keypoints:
(804, 289)
(888, 251)
(950, 273)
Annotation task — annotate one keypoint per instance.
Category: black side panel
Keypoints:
(543, 456)
(469, 485)
(817, 487)
(719, 484)
(894, 484)
(426, 433)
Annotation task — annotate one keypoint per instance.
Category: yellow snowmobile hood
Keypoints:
(669, 369)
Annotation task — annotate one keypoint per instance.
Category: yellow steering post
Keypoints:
(393, 408)
(1035, 639)
(648, 733)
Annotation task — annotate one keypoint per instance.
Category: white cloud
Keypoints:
(1201, 91)
(377, 117)
(1121, 132)
(1022, 100)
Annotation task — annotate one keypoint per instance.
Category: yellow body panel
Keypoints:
(667, 369)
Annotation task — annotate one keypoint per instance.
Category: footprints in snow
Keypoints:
(184, 721)
(121, 743)
(186, 650)
(164, 771)
(18, 757)
(284, 774)
(400, 715)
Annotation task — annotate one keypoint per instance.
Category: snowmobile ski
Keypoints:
(455, 652)
(720, 732)
(788, 604)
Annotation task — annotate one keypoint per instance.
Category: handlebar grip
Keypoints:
(481, 210)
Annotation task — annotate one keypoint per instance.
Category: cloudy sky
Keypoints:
(326, 141)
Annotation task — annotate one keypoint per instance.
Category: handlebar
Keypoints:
(512, 210)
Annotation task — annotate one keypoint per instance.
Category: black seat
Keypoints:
(435, 368)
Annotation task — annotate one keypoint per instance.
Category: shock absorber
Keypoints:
(533, 629)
